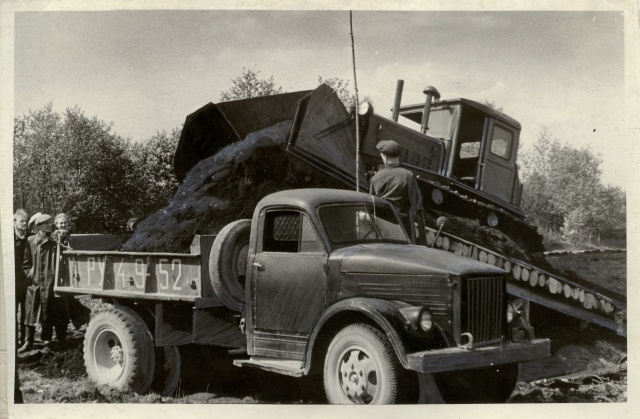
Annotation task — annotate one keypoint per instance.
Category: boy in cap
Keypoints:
(397, 185)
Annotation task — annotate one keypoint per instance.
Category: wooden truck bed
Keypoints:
(139, 275)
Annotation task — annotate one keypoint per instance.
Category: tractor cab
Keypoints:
(480, 144)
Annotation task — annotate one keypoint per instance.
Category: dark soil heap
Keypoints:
(220, 189)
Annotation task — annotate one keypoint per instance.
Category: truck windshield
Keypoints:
(361, 223)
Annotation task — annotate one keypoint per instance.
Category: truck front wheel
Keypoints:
(118, 351)
(361, 367)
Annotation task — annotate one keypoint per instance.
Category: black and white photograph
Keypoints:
(279, 208)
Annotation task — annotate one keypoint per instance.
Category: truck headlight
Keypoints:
(418, 319)
(426, 320)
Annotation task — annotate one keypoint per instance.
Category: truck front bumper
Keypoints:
(451, 359)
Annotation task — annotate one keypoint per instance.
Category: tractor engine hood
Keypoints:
(384, 258)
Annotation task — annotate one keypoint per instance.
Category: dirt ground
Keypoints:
(595, 356)
(606, 268)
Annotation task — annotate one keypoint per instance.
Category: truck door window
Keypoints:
(501, 142)
(290, 232)
(309, 242)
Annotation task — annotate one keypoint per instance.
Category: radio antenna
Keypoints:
(355, 85)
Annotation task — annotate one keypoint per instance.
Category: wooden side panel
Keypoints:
(143, 275)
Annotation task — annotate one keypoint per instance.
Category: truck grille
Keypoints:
(484, 308)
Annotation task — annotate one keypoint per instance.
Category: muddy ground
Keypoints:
(596, 358)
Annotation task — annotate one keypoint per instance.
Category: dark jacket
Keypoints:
(39, 266)
(399, 186)
(21, 278)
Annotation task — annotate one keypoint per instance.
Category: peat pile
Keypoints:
(220, 189)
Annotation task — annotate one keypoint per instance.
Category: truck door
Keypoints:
(289, 284)
(498, 169)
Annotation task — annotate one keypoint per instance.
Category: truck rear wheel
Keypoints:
(228, 261)
(361, 367)
(167, 371)
(118, 350)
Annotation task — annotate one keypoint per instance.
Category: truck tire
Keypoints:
(227, 263)
(481, 385)
(167, 371)
(361, 367)
(118, 350)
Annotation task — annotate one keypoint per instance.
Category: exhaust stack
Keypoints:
(396, 102)
(431, 93)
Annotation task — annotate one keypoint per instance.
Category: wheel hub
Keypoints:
(109, 356)
(358, 377)
(117, 354)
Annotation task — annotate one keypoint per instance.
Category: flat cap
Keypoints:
(41, 218)
(389, 148)
(33, 218)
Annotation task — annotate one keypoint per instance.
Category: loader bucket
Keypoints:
(323, 136)
(214, 126)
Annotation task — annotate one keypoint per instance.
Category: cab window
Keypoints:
(289, 232)
(501, 142)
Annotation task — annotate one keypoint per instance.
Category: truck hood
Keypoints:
(384, 258)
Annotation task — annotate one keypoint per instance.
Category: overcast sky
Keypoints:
(146, 70)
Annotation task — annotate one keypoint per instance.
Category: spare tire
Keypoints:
(228, 262)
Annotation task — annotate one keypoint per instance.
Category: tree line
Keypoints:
(71, 163)
(75, 164)
(563, 192)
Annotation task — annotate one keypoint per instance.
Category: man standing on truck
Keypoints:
(397, 185)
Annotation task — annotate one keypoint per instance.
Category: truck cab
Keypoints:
(324, 261)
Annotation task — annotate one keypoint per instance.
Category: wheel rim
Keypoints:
(358, 376)
(240, 258)
(109, 356)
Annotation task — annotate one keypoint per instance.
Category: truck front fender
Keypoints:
(384, 313)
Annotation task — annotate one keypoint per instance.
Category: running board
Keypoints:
(289, 367)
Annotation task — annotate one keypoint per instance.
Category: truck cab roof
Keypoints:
(310, 199)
